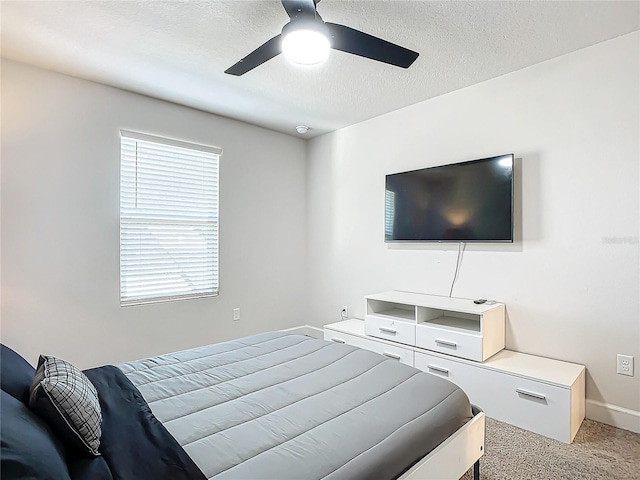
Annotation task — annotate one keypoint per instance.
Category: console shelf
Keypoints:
(464, 343)
(397, 314)
(455, 326)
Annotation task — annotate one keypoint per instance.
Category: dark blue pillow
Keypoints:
(28, 448)
(16, 374)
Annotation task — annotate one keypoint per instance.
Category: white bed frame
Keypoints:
(453, 457)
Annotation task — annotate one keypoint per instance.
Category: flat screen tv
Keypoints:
(462, 202)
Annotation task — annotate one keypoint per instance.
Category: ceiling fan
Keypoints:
(306, 39)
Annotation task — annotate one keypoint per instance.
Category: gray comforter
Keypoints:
(277, 405)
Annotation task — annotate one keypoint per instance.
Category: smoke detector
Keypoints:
(302, 129)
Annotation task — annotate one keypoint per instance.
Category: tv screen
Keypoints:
(463, 202)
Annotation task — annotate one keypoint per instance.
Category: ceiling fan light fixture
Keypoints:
(307, 39)
(305, 46)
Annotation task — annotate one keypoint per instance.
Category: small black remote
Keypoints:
(480, 301)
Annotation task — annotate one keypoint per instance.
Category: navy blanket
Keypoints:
(134, 444)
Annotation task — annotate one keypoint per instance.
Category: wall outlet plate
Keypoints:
(625, 365)
(236, 314)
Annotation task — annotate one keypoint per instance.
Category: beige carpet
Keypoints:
(599, 452)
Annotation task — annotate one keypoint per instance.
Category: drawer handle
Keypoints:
(337, 340)
(531, 394)
(391, 355)
(438, 369)
(388, 330)
(447, 343)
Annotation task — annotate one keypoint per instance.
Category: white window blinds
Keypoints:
(168, 219)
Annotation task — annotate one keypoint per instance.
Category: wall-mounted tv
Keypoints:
(462, 202)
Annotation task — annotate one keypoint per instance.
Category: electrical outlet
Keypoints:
(625, 365)
(236, 314)
(344, 313)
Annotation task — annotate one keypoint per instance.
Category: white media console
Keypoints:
(464, 342)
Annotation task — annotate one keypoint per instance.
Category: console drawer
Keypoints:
(459, 344)
(533, 405)
(394, 330)
(403, 355)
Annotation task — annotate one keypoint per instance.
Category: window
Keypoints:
(168, 219)
(389, 212)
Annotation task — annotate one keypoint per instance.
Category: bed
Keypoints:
(277, 406)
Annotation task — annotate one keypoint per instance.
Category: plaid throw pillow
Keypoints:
(67, 400)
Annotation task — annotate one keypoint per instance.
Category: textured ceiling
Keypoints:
(178, 51)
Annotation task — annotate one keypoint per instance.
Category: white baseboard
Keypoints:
(613, 415)
(308, 330)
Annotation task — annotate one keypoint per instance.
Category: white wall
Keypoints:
(60, 223)
(573, 124)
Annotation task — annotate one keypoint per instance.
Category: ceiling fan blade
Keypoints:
(353, 41)
(299, 8)
(264, 52)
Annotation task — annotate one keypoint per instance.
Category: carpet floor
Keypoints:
(599, 452)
